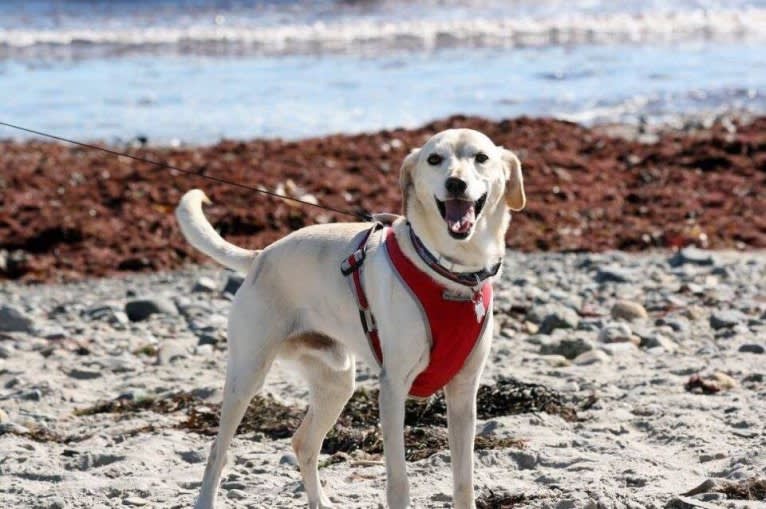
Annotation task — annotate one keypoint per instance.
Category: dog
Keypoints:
(297, 304)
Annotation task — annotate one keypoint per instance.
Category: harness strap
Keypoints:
(353, 266)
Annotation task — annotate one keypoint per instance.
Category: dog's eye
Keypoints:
(435, 159)
(481, 158)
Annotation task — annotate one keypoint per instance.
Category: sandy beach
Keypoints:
(109, 392)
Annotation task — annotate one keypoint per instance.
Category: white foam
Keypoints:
(363, 35)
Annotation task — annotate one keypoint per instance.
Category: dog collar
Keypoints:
(448, 269)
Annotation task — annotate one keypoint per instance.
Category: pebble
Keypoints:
(568, 348)
(3, 417)
(616, 333)
(612, 274)
(725, 319)
(562, 318)
(6, 351)
(288, 459)
(659, 341)
(170, 352)
(14, 320)
(628, 310)
(752, 348)
(233, 282)
(591, 357)
(84, 374)
(135, 501)
(204, 284)
(141, 309)
(693, 256)
(236, 494)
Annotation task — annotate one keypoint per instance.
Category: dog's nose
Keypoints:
(455, 185)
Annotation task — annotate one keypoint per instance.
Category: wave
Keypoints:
(364, 36)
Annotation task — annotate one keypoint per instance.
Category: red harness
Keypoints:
(454, 323)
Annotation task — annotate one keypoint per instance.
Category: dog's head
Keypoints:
(459, 186)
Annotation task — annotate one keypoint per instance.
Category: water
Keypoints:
(197, 71)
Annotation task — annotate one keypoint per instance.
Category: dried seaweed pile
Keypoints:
(357, 428)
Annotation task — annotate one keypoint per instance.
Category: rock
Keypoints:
(170, 352)
(591, 357)
(13, 428)
(4, 417)
(681, 502)
(752, 348)
(693, 256)
(56, 502)
(524, 460)
(288, 459)
(141, 309)
(725, 319)
(568, 348)
(204, 284)
(612, 274)
(135, 501)
(14, 320)
(236, 494)
(616, 349)
(192, 456)
(628, 310)
(562, 318)
(658, 341)
(84, 374)
(204, 350)
(6, 351)
(233, 485)
(53, 333)
(615, 333)
(557, 361)
(31, 395)
(725, 382)
(233, 282)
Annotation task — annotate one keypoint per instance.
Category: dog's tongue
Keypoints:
(459, 215)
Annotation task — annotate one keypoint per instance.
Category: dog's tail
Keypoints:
(200, 234)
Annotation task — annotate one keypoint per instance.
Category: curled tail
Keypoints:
(200, 234)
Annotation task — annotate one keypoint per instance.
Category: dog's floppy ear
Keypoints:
(514, 185)
(405, 176)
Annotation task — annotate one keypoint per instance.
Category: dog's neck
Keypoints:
(480, 252)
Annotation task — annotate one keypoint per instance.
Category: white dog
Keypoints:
(297, 304)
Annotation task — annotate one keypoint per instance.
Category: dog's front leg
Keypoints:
(393, 395)
(460, 394)
(461, 420)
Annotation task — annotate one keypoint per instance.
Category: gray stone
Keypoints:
(12, 427)
(6, 351)
(170, 352)
(56, 502)
(562, 318)
(524, 460)
(658, 340)
(204, 284)
(14, 320)
(135, 501)
(85, 374)
(236, 494)
(569, 348)
(233, 282)
(752, 348)
(615, 333)
(591, 357)
(288, 459)
(628, 310)
(192, 456)
(31, 395)
(141, 309)
(613, 274)
(725, 319)
(691, 256)
(233, 485)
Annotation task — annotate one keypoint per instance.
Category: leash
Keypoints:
(358, 215)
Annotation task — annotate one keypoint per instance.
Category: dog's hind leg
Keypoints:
(330, 373)
(250, 357)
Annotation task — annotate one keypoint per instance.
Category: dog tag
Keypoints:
(478, 307)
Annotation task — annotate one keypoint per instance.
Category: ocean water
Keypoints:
(196, 71)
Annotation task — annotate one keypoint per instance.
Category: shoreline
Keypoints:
(70, 214)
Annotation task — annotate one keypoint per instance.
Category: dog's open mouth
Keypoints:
(460, 215)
